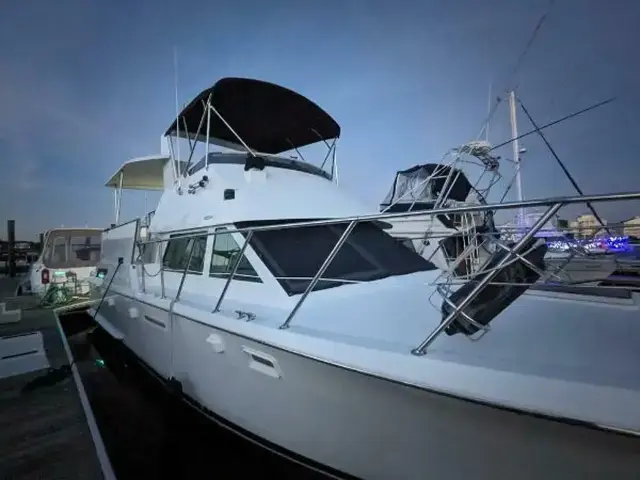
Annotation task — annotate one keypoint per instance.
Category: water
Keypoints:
(146, 434)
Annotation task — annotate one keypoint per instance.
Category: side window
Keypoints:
(59, 250)
(178, 250)
(225, 254)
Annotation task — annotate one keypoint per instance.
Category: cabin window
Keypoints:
(86, 248)
(59, 250)
(178, 250)
(294, 255)
(225, 254)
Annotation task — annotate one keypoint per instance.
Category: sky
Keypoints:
(88, 84)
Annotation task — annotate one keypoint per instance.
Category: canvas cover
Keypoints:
(423, 183)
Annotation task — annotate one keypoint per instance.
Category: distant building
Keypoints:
(587, 225)
(631, 227)
(518, 225)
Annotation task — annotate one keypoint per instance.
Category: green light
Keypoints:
(100, 363)
(59, 273)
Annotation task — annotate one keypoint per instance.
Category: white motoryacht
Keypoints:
(267, 299)
(69, 257)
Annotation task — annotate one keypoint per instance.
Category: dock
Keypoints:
(47, 431)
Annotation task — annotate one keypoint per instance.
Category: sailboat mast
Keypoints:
(489, 100)
(516, 150)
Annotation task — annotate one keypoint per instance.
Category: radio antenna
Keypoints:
(175, 86)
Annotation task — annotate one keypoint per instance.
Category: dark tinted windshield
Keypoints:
(294, 255)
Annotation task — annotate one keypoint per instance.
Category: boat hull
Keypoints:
(352, 422)
(582, 270)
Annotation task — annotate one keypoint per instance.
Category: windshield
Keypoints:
(294, 255)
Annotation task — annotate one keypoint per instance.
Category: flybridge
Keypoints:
(260, 118)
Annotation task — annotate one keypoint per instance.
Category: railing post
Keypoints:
(233, 272)
(186, 268)
(323, 267)
(141, 248)
(162, 295)
(421, 349)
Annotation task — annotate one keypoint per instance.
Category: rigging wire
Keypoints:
(555, 122)
(517, 66)
(562, 166)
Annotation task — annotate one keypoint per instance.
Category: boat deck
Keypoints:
(49, 432)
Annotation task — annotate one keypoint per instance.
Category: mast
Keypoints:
(516, 153)
(489, 100)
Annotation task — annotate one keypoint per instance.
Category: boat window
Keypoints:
(224, 256)
(86, 248)
(59, 251)
(294, 255)
(178, 250)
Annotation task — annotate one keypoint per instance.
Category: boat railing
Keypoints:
(512, 253)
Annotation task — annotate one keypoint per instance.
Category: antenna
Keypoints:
(175, 85)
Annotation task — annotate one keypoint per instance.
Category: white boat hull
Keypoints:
(582, 269)
(356, 423)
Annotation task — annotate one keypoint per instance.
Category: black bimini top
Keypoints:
(269, 118)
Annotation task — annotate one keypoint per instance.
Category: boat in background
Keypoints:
(268, 299)
(463, 243)
(69, 258)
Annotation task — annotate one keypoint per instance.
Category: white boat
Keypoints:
(230, 311)
(69, 258)
(463, 242)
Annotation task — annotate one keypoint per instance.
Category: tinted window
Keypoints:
(225, 254)
(178, 250)
(294, 255)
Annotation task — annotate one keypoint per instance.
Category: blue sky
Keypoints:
(85, 85)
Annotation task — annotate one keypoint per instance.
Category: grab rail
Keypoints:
(612, 197)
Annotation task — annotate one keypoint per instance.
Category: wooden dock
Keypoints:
(49, 432)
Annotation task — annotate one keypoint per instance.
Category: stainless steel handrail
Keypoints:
(421, 349)
(233, 272)
(563, 201)
(323, 268)
(512, 253)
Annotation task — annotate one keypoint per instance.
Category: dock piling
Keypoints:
(11, 243)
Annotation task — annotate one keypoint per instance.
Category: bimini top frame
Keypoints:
(255, 116)
(142, 173)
